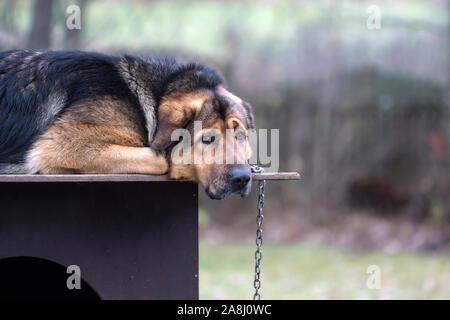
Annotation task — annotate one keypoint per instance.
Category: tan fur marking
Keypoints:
(96, 136)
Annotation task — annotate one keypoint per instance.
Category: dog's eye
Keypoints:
(208, 139)
(240, 136)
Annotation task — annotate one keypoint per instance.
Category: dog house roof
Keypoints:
(126, 177)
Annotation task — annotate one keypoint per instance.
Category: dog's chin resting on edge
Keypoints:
(66, 112)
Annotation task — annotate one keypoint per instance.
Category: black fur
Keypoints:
(29, 77)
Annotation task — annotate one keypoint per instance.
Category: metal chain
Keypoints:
(259, 240)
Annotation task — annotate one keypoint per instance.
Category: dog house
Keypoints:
(132, 236)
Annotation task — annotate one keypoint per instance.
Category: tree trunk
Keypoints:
(39, 37)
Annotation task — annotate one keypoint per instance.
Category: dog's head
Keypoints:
(216, 150)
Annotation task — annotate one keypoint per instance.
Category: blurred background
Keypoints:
(360, 92)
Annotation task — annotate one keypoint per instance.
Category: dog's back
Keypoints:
(35, 86)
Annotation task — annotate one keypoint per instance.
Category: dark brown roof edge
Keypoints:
(124, 177)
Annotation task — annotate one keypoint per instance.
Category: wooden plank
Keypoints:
(276, 176)
(125, 177)
(82, 178)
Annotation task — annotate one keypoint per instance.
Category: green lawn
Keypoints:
(309, 272)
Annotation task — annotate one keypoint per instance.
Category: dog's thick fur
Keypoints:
(80, 112)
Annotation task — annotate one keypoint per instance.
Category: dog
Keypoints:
(75, 112)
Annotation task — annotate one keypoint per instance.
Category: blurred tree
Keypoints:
(39, 36)
(8, 35)
(448, 49)
(7, 14)
(321, 154)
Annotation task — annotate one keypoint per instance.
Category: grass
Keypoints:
(301, 271)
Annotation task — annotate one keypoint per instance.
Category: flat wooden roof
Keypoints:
(124, 177)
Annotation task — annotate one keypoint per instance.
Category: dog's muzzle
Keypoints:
(240, 180)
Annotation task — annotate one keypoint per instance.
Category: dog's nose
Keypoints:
(239, 177)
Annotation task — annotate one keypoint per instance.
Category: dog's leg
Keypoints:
(111, 159)
(122, 159)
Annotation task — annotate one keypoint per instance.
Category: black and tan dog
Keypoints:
(78, 112)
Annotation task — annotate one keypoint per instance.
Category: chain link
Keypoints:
(259, 240)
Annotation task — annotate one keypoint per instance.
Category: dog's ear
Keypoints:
(176, 112)
(250, 120)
